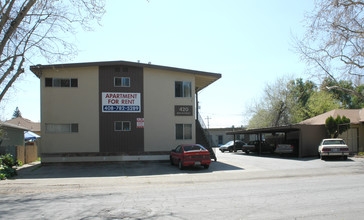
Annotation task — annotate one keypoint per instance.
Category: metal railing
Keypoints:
(206, 131)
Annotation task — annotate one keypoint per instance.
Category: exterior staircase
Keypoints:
(202, 137)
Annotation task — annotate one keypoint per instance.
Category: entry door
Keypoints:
(351, 139)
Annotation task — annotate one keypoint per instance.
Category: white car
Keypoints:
(333, 147)
(284, 149)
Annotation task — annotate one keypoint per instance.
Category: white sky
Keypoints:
(248, 42)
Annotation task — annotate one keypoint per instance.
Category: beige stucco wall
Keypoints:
(71, 105)
(159, 102)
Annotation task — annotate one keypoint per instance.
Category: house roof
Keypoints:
(9, 125)
(356, 116)
(25, 123)
(203, 79)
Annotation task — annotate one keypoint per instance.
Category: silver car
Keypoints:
(333, 147)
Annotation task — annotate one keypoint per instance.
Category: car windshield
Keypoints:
(331, 142)
(193, 148)
(229, 143)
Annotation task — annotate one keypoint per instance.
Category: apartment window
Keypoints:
(122, 81)
(183, 131)
(183, 89)
(61, 82)
(62, 128)
(122, 126)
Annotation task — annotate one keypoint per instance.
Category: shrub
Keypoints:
(6, 166)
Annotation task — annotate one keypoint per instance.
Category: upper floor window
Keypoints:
(183, 89)
(61, 82)
(122, 81)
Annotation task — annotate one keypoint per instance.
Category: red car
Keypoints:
(190, 155)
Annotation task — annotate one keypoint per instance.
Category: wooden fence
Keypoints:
(25, 154)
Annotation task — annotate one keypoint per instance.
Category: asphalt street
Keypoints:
(237, 186)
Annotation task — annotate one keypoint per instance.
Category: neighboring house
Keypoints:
(12, 136)
(307, 135)
(354, 137)
(218, 136)
(118, 110)
(26, 123)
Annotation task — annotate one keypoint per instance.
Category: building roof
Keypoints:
(356, 116)
(9, 125)
(25, 123)
(203, 79)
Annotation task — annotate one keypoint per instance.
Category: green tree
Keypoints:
(300, 93)
(16, 113)
(321, 102)
(346, 99)
(261, 119)
(331, 125)
(337, 126)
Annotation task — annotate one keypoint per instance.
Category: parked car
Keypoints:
(229, 146)
(284, 149)
(190, 155)
(333, 147)
(253, 146)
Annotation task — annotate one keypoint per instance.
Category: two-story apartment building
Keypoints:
(118, 110)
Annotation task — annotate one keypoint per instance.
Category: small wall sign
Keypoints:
(140, 122)
(183, 110)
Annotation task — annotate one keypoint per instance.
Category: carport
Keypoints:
(285, 134)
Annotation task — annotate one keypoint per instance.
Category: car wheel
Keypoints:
(180, 165)
(206, 166)
(170, 159)
(322, 157)
(345, 157)
(230, 150)
(247, 152)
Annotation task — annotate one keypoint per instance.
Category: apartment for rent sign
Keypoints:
(120, 102)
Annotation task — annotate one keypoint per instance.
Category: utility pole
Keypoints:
(208, 122)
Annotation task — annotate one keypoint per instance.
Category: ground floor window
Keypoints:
(183, 131)
(122, 126)
(61, 128)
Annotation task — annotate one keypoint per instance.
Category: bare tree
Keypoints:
(273, 109)
(34, 27)
(334, 41)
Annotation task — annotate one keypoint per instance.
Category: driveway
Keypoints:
(237, 186)
(226, 163)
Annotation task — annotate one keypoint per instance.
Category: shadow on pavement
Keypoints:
(120, 169)
(276, 156)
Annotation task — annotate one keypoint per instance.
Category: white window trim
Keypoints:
(122, 125)
(183, 130)
(55, 131)
(183, 89)
(121, 77)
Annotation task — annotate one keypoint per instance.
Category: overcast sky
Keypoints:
(248, 42)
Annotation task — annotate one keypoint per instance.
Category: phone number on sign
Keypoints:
(121, 108)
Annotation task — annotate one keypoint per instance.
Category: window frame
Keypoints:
(51, 128)
(182, 92)
(122, 127)
(122, 78)
(187, 133)
(61, 82)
